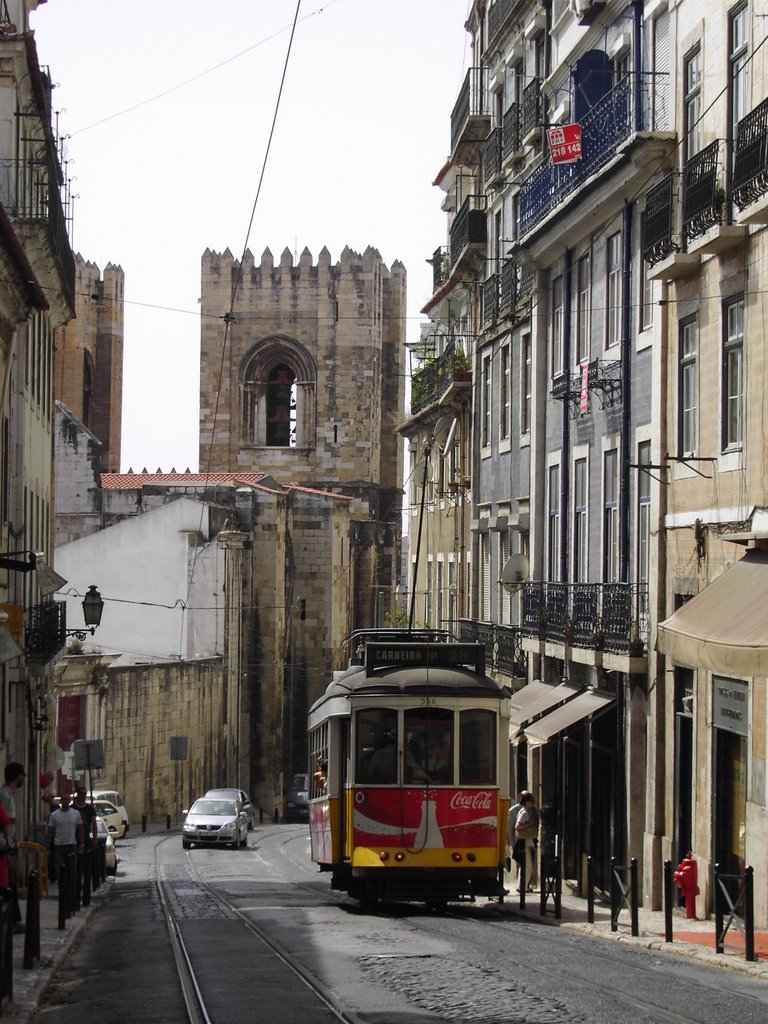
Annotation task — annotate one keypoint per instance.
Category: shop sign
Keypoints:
(730, 708)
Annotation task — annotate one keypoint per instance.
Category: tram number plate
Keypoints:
(428, 701)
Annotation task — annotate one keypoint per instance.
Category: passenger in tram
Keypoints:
(382, 766)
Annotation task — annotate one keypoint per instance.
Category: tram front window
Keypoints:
(377, 746)
(428, 752)
(477, 754)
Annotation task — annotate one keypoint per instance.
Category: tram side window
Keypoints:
(376, 759)
(318, 785)
(429, 746)
(477, 753)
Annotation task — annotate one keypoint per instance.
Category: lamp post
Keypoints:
(93, 606)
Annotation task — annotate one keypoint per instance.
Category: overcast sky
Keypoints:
(167, 106)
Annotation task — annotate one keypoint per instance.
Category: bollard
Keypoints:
(32, 928)
(261, 815)
(63, 883)
(143, 823)
(102, 863)
(168, 822)
(749, 913)
(633, 898)
(275, 817)
(590, 891)
(667, 900)
(86, 876)
(72, 884)
(719, 948)
(6, 946)
(615, 898)
(522, 881)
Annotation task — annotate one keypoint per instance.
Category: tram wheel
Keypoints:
(436, 906)
(369, 897)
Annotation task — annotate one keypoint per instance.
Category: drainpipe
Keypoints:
(565, 461)
(637, 62)
(626, 396)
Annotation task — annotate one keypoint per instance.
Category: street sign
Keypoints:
(88, 754)
(179, 748)
(565, 143)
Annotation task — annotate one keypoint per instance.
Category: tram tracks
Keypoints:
(199, 1008)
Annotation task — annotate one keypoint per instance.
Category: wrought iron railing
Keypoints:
(503, 646)
(750, 167)
(500, 15)
(510, 136)
(441, 267)
(433, 380)
(602, 616)
(469, 226)
(609, 123)
(45, 631)
(507, 286)
(658, 224)
(490, 300)
(532, 115)
(703, 195)
(492, 155)
(472, 102)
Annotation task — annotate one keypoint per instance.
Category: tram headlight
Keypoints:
(383, 855)
(456, 857)
(399, 856)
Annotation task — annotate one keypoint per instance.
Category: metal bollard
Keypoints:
(62, 880)
(168, 822)
(522, 880)
(85, 875)
(32, 928)
(615, 897)
(143, 823)
(634, 897)
(667, 900)
(261, 815)
(590, 891)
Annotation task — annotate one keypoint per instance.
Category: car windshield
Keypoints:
(299, 782)
(102, 808)
(214, 807)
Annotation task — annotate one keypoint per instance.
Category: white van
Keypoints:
(114, 798)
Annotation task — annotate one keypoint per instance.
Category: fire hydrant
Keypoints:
(686, 878)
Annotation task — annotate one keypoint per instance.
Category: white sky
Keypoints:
(363, 128)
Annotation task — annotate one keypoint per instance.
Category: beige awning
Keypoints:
(562, 718)
(543, 696)
(723, 629)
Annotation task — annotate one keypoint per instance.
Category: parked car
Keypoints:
(220, 822)
(113, 819)
(105, 839)
(234, 794)
(115, 798)
(297, 798)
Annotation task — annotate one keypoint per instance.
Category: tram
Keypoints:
(409, 771)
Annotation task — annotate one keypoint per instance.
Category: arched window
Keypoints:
(87, 388)
(277, 382)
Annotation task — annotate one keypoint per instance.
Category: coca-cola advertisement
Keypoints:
(431, 818)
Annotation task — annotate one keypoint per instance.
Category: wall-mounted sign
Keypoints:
(564, 143)
(730, 705)
(584, 397)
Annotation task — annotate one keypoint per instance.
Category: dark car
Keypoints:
(297, 798)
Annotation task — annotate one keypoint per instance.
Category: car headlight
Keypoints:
(229, 827)
(188, 827)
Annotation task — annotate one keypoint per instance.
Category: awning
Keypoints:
(562, 718)
(724, 628)
(525, 707)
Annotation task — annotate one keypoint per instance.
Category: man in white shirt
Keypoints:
(65, 833)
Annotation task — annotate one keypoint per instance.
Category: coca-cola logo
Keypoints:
(472, 801)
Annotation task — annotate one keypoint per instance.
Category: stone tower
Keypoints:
(302, 376)
(88, 363)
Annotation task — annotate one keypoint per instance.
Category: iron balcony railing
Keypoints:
(29, 191)
(603, 616)
(503, 646)
(441, 267)
(703, 195)
(469, 226)
(472, 102)
(609, 123)
(510, 134)
(45, 631)
(658, 225)
(532, 115)
(750, 166)
(500, 16)
(491, 300)
(492, 155)
(432, 381)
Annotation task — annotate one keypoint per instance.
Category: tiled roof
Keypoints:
(262, 481)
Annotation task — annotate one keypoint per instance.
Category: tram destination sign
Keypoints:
(384, 655)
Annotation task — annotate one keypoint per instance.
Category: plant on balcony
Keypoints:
(462, 369)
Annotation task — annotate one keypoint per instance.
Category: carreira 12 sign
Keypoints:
(565, 143)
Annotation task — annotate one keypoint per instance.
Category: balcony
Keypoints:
(750, 170)
(606, 132)
(490, 305)
(45, 632)
(511, 145)
(503, 646)
(492, 156)
(593, 623)
(447, 373)
(501, 16)
(703, 194)
(469, 230)
(532, 114)
(441, 267)
(470, 117)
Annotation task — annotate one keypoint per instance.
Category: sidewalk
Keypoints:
(690, 938)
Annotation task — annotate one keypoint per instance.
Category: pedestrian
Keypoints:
(15, 775)
(527, 830)
(88, 815)
(64, 835)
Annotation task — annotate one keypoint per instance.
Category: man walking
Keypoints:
(65, 835)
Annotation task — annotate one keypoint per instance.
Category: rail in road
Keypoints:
(192, 958)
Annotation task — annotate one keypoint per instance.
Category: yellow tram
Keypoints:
(409, 771)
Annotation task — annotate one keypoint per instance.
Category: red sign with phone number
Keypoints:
(565, 143)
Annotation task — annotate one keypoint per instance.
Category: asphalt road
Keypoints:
(403, 965)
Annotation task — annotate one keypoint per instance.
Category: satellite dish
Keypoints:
(418, 471)
(514, 573)
(444, 428)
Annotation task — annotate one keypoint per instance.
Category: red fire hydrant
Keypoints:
(686, 878)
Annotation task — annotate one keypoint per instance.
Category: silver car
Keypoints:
(233, 794)
(214, 822)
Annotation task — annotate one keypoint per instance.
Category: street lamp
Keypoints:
(93, 606)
